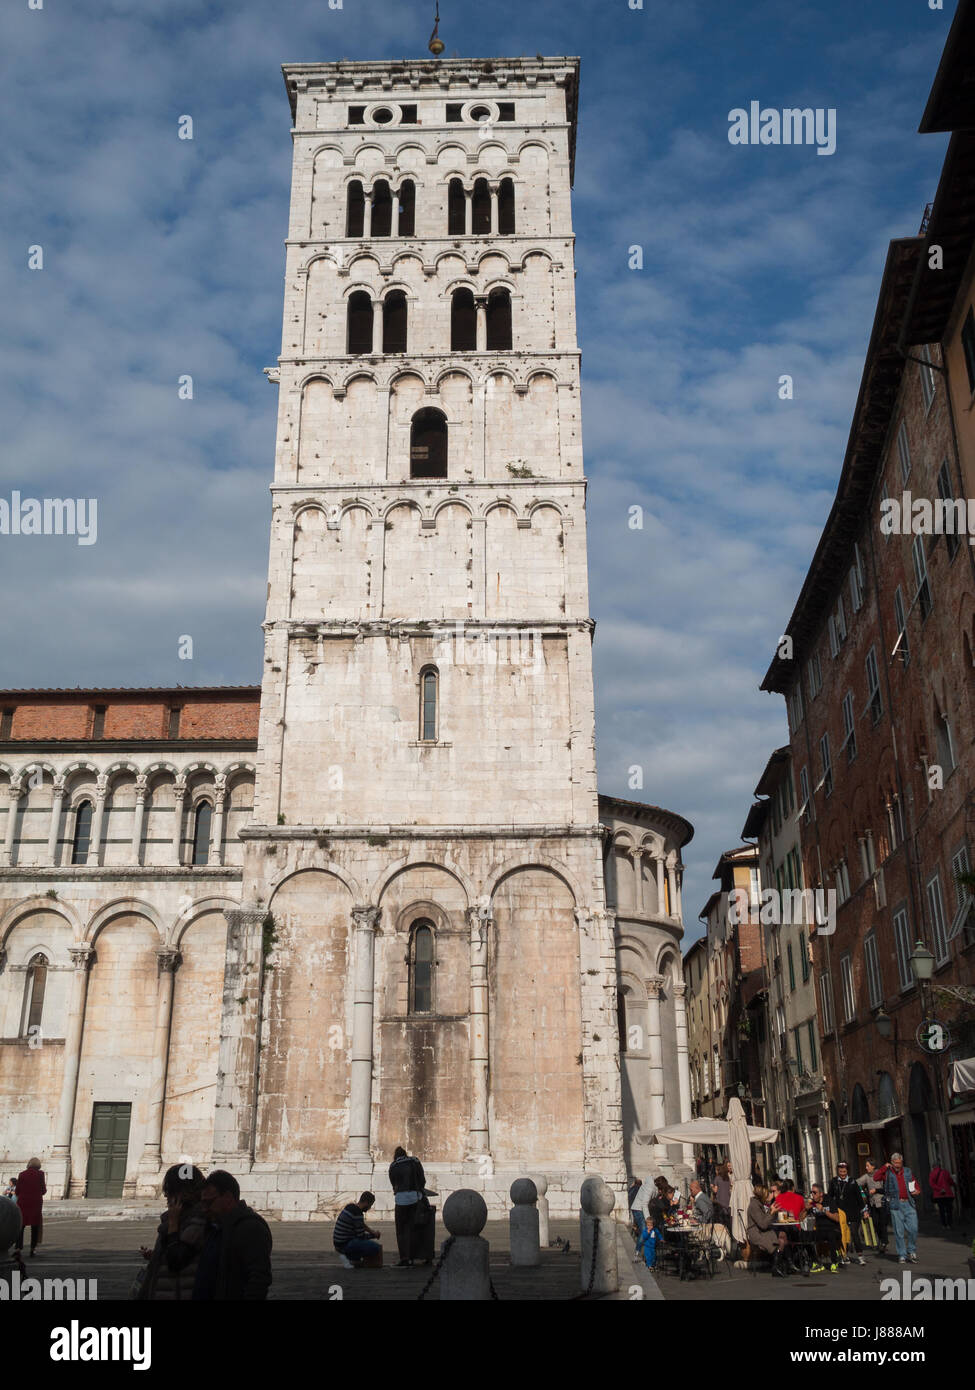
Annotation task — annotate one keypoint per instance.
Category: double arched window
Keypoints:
(81, 840)
(34, 994)
(202, 821)
(428, 444)
(422, 967)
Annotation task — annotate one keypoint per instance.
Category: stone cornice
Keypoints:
(84, 873)
(447, 627)
(419, 832)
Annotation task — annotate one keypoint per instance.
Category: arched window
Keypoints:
(421, 968)
(359, 323)
(506, 207)
(621, 1019)
(456, 208)
(429, 683)
(428, 444)
(355, 216)
(81, 842)
(201, 833)
(394, 322)
(481, 208)
(499, 321)
(34, 995)
(463, 321)
(407, 208)
(382, 209)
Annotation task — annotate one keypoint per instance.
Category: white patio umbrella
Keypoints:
(705, 1130)
(740, 1154)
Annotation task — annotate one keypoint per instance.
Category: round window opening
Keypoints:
(480, 113)
(383, 116)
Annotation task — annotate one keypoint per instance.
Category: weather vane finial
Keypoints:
(436, 44)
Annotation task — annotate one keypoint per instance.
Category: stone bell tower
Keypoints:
(424, 956)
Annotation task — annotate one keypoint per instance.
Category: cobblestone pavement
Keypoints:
(306, 1267)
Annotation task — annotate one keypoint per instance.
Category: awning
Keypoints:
(704, 1130)
(963, 1075)
(964, 1115)
(868, 1124)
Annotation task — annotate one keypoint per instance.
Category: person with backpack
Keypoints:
(414, 1215)
(943, 1191)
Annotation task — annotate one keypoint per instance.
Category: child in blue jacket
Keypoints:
(649, 1241)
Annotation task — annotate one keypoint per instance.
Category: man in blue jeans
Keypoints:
(351, 1232)
(900, 1190)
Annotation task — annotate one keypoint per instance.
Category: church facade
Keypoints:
(378, 900)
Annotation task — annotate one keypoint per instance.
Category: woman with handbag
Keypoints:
(415, 1216)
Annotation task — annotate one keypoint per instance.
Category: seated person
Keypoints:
(650, 1239)
(760, 1233)
(789, 1200)
(351, 1232)
(827, 1230)
(703, 1206)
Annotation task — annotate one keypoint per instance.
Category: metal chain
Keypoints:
(436, 1269)
(592, 1267)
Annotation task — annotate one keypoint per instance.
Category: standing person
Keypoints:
(31, 1188)
(637, 1212)
(171, 1271)
(943, 1191)
(900, 1190)
(352, 1238)
(650, 1239)
(872, 1182)
(846, 1195)
(235, 1262)
(408, 1182)
(721, 1191)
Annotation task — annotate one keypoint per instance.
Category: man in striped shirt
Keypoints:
(351, 1232)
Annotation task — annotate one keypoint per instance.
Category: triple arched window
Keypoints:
(422, 968)
(375, 213)
(491, 210)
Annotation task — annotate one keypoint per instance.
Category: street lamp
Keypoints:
(922, 963)
(885, 1024)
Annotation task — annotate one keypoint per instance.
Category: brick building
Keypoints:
(879, 687)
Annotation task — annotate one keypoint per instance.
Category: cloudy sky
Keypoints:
(164, 257)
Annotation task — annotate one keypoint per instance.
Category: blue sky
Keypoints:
(164, 257)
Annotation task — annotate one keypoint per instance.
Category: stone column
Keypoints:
(179, 793)
(139, 820)
(683, 1063)
(672, 886)
(480, 923)
(168, 961)
(468, 211)
(235, 1110)
(654, 985)
(601, 1084)
(377, 325)
(57, 801)
(367, 214)
(661, 895)
(679, 904)
(637, 857)
(493, 189)
(219, 799)
(82, 957)
(13, 791)
(480, 308)
(101, 792)
(366, 924)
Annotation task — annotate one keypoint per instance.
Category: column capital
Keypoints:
(168, 960)
(366, 918)
(679, 989)
(15, 789)
(654, 985)
(141, 786)
(480, 915)
(82, 956)
(101, 786)
(179, 786)
(59, 784)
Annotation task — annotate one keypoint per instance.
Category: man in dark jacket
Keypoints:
(236, 1260)
(414, 1215)
(846, 1195)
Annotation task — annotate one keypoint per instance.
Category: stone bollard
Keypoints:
(541, 1187)
(597, 1202)
(523, 1223)
(464, 1274)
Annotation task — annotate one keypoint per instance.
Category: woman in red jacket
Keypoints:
(30, 1198)
(943, 1192)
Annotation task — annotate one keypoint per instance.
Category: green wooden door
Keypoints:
(109, 1148)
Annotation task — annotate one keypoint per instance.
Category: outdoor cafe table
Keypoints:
(687, 1253)
(802, 1244)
